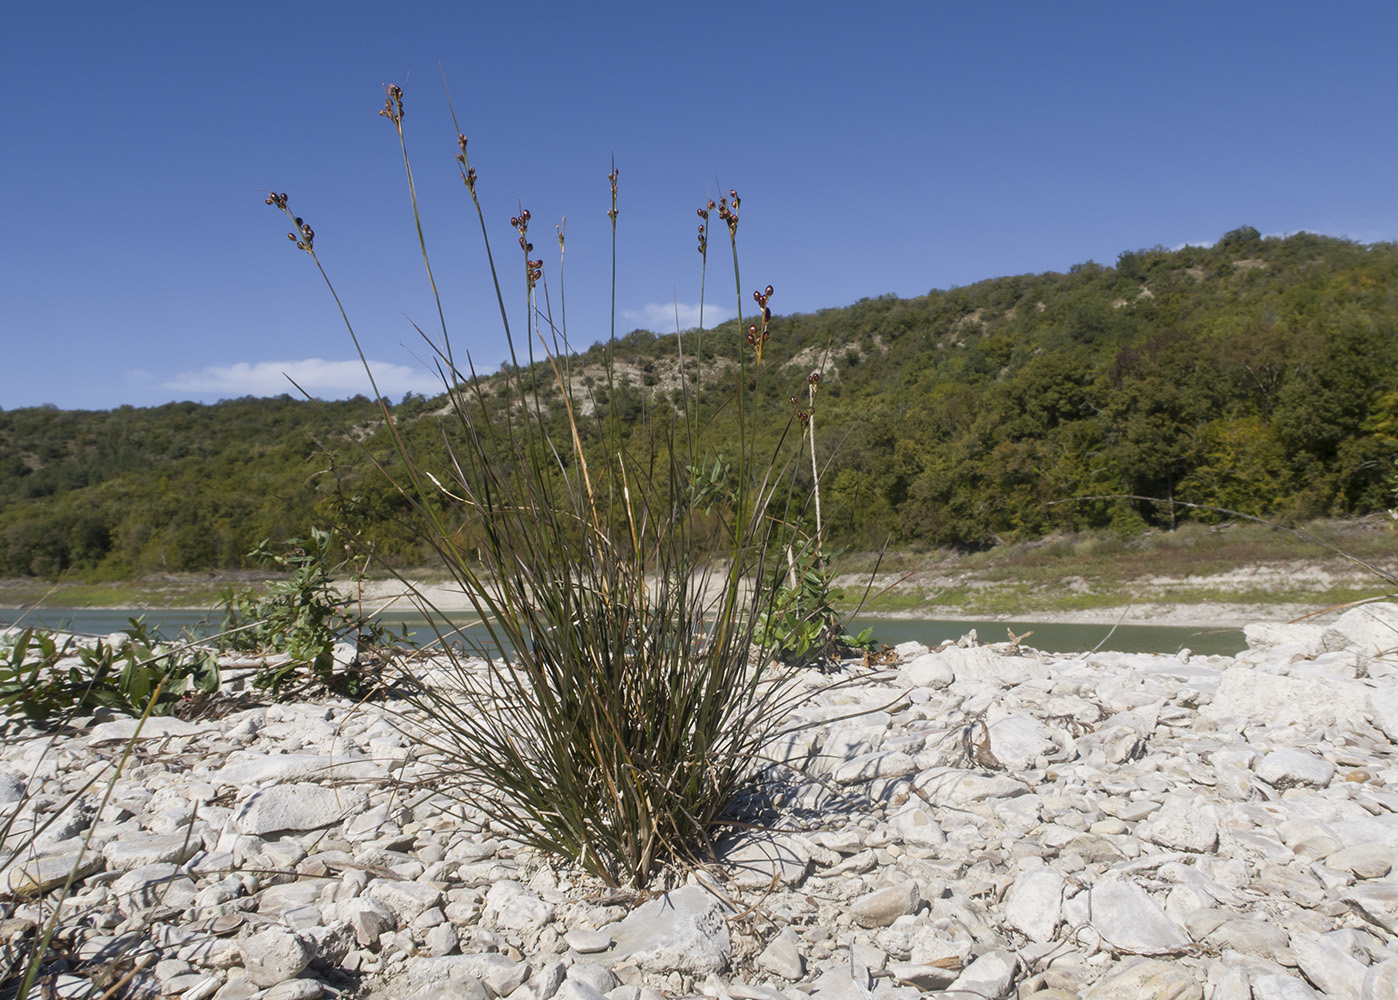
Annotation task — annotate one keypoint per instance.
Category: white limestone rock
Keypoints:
(762, 859)
(1289, 768)
(1129, 921)
(991, 975)
(930, 670)
(682, 931)
(1372, 629)
(407, 900)
(1337, 974)
(274, 955)
(513, 906)
(300, 806)
(1269, 635)
(1281, 987)
(1018, 741)
(1251, 695)
(1147, 979)
(1034, 906)
(499, 974)
(882, 907)
(138, 851)
(1376, 902)
(1184, 823)
(1381, 981)
(782, 958)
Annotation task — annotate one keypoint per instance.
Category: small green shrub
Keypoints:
(802, 626)
(46, 679)
(303, 616)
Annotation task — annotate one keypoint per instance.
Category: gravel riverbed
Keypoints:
(973, 821)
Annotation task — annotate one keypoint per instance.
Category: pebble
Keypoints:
(982, 818)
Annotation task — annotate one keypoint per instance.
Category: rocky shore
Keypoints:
(974, 821)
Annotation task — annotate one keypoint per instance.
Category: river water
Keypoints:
(1051, 637)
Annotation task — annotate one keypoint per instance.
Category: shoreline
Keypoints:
(398, 596)
(1182, 615)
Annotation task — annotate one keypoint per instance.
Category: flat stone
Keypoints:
(1034, 906)
(299, 806)
(765, 860)
(587, 942)
(407, 900)
(867, 767)
(930, 670)
(246, 768)
(1128, 920)
(572, 989)
(1381, 981)
(11, 787)
(1384, 703)
(274, 955)
(1372, 629)
(683, 931)
(154, 728)
(1018, 741)
(1362, 860)
(1244, 693)
(782, 958)
(1147, 979)
(990, 975)
(500, 974)
(956, 787)
(1270, 635)
(597, 976)
(925, 976)
(1376, 902)
(296, 989)
(40, 875)
(1288, 768)
(881, 908)
(1250, 936)
(127, 853)
(1183, 827)
(510, 905)
(1337, 974)
(1281, 987)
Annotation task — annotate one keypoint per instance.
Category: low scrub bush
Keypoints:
(305, 617)
(46, 676)
(625, 692)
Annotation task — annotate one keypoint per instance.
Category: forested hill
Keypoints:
(1257, 375)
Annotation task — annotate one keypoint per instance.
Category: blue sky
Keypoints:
(877, 148)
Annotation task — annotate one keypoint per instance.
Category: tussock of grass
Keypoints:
(632, 701)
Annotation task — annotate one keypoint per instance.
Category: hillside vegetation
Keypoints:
(1256, 375)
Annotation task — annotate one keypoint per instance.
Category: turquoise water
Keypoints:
(1057, 638)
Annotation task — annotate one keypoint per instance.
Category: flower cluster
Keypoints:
(533, 269)
(468, 172)
(393, 104)
(304, 237)
(804, 415)
(611, 212)
(704, 230)
(758, 337)
(729, 212)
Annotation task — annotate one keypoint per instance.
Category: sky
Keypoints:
(877, 148)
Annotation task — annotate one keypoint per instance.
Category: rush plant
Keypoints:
(623, 694)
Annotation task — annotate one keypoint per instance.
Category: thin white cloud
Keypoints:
(318, 377)
(660, 317)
